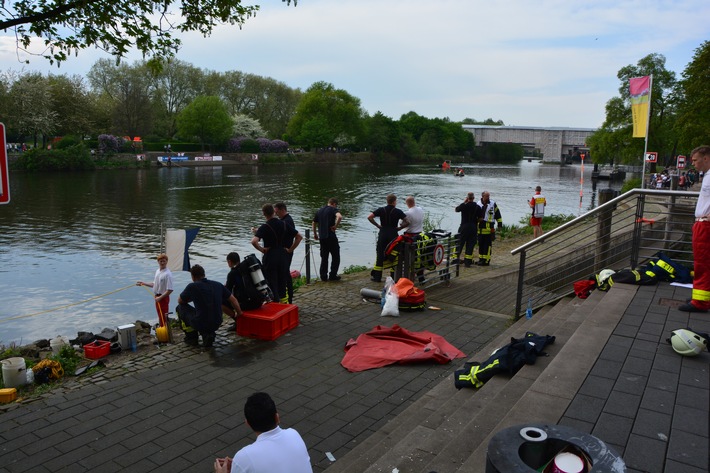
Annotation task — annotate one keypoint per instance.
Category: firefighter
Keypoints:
(700, 301)
(389, 227)
(471, 214)
(487, 228)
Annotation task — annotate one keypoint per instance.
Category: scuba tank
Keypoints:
(257, 277)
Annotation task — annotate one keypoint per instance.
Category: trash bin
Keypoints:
(534, 447)
(127, 336)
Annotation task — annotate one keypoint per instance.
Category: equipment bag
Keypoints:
(508, 359)
(410, 298)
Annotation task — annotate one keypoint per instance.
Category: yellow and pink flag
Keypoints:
(640, 90)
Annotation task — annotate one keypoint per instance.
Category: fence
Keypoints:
(426, 260)
(623, 232)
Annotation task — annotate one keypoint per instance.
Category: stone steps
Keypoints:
(444, 428)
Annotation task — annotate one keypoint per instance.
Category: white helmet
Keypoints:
(603, 275)
(686, 342)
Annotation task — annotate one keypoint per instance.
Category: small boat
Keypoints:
(459, 173)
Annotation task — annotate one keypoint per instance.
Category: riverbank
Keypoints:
(315, 300)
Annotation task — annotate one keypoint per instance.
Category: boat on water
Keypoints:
(459, 173)
(609, 174)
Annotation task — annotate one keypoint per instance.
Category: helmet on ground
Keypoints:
(603, 275)
(688, 343)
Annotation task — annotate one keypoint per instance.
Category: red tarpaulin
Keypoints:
(384, 346)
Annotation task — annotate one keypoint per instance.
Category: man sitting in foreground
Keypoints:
(276, 450)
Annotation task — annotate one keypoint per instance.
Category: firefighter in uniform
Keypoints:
(470, 216)
(487, 228)
(389, 216)
(700, 301)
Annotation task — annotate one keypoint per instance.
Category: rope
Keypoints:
(67, 305)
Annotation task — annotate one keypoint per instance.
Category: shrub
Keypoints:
(67, 141)
(73, 158)
(629, 184)
(110, 144)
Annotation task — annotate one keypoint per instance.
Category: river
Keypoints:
(71, 237)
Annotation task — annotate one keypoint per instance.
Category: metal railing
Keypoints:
(624, 232)
(428, 260)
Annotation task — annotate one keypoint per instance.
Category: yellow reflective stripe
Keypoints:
(665, 266)
(701, 295)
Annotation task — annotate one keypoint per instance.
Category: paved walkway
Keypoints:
(178, 409)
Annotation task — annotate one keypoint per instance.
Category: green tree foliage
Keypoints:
(613, 142)
(66, 27)
(174, 86)
(73, 105)
(693, 122)
(206, 119)
(31, 111)
(437, 135)
(127, 92)
(267, 100)
(487, 121)
(71, 158)
(323, 114)
(382, 134)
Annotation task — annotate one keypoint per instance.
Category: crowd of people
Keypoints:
(277, 238)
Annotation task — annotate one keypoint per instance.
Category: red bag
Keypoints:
(583, 288)
(410, 298)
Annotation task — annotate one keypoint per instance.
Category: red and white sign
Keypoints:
(438, 254)
(4, 173)
(681, 162)
(651, 157)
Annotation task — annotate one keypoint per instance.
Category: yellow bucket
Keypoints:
(162, 334)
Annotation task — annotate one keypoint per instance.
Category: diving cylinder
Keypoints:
(257, 277)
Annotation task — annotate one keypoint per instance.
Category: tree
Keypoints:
(246, 126)
(382, 134)
(322, 105)
(175, 86)
(127, 92)
(116, 26)
(32, 112)
(613, 142)
(205, 118)
(693, 120)
(73, 104)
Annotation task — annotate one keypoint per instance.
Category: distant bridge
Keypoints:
(557, 144)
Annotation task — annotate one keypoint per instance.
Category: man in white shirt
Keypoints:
(415, 218)
(276, 450)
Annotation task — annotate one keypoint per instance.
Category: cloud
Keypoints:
(544, 63)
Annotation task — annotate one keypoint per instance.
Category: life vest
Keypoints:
(490, 216)
(538, 205)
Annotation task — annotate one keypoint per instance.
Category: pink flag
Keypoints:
(640, 90)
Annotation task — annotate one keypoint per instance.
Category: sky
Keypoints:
(545, 63)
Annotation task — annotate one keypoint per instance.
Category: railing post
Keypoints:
(603, 230)
(638, 228)
(308, 256)
(521, 278)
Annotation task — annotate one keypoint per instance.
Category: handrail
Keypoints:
(625, 231)
(595, 211)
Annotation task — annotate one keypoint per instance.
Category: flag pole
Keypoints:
(648, 124)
